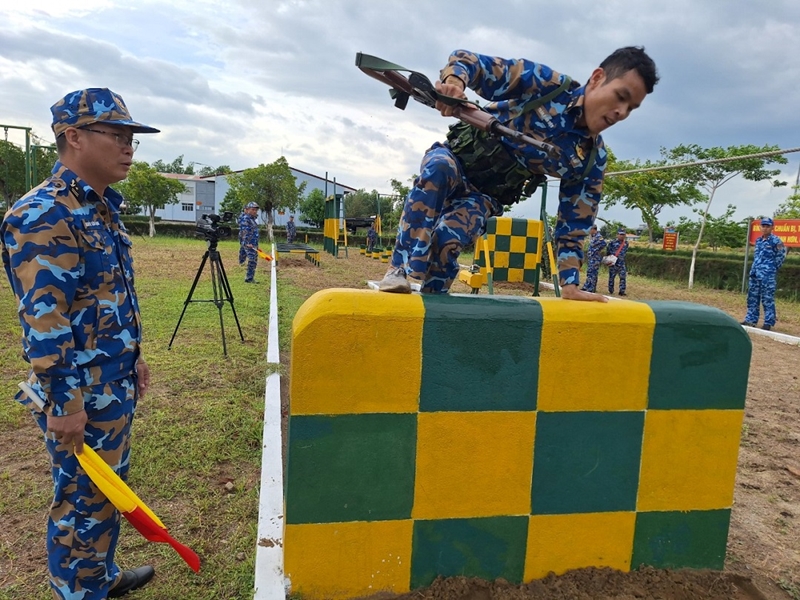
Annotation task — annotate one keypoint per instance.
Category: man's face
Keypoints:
(251, 211)
(105, 151)
(766, 230)
(593, 231)
(608, 102)
(621, 237)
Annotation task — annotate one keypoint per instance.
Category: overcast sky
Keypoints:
(242, 82)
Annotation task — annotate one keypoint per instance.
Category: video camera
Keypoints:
(211, 229)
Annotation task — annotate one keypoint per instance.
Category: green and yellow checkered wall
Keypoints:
(514, 247)
(506, 437)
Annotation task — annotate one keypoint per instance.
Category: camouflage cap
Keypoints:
(767, 222)
(251, 205)
(93, 105)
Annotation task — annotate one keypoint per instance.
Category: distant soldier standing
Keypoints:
(248, 240)
(767, 259)
(594, 256)
(372, 237)
(618, 248)
(291, 230)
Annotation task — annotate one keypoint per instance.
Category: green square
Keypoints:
(502, 243)
(532, 245)
(480, 353)
(678, 540)
(500, 274)
(350, 468)
(701, 358)
(529, 276)
(491, 225)
(516, 260)
(519, 227)
(488, 548)
(586, 462)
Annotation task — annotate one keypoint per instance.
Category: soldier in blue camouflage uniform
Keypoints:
(291, 230)
(372, 237)
(618, 248)
(445, 209)
(248, 240)
(594, 257)
(68, 259)
(767, 259)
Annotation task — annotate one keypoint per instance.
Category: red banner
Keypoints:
(670, 239)
(786, 229)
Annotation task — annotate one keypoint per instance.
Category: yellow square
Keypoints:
(515, 275)
(503, 226)
(319, 348)
(500, 260)
(535, 228)
(689, 459)
(475, 464)
(518, 244)
(610, 344)
(559, 543)
(347, 560)
(531, 260)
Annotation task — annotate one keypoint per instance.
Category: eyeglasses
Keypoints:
(122, 141)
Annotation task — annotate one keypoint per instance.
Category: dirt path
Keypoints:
(763, 560)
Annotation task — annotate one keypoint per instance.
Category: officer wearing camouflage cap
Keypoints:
(248, 240)
(68, 258)
(768, 257)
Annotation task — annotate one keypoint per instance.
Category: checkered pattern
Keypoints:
(483, 450)
(514, 247)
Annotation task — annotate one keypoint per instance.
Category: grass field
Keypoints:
(199, 427)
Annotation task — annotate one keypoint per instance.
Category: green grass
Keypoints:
(198, 428)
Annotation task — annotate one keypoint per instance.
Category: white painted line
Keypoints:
(784, 338)
(270, 581)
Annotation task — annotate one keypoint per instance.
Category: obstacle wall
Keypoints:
(514, 247)
(506, 437)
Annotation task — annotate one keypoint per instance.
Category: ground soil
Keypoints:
(763, 558)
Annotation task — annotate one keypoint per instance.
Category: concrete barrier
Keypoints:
(506, 437)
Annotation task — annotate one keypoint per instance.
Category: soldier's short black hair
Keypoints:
(631, 58)
(61, 144)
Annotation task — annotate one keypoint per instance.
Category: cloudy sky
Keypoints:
(242, 82)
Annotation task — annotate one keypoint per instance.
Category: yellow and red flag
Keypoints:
(263, 254)
(131, 506)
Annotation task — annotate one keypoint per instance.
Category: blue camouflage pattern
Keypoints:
(248, 242)
(594, 258)
(84, 107)
(372, 237)
(618, 269)
(768, 257)
(509, 85)
(291, 232)
(68, 259)
(442, 214)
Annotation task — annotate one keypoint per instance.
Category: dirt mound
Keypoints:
(598, 584)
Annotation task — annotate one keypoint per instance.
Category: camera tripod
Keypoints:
(222, 292)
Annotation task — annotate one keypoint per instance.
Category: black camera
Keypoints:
(211, 229)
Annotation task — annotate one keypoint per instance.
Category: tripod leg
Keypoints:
(188, 298)
(216, 284)
(226, 287)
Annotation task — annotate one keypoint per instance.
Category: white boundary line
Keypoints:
(270, 581)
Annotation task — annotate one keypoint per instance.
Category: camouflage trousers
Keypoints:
(761, 291)
(441, 215)
(83, 526)
(592, 271)
(613, 271)
(251, 256)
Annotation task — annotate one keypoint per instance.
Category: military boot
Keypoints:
(395, 281)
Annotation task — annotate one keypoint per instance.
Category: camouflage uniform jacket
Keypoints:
(509, 85)
(768, 256)
(595, 251)
(613, 248)
(248, 230)
(372, 235)
(68, 259)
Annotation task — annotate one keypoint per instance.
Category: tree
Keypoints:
(312, 209)
(361, 203)
(791, 208)
(210, 171)
(270, 186)
(176, 166)
(711, 177)
(146, 189)
(12, 169)
(231, 203)
(648, 192)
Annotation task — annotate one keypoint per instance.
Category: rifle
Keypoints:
(417, 86)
